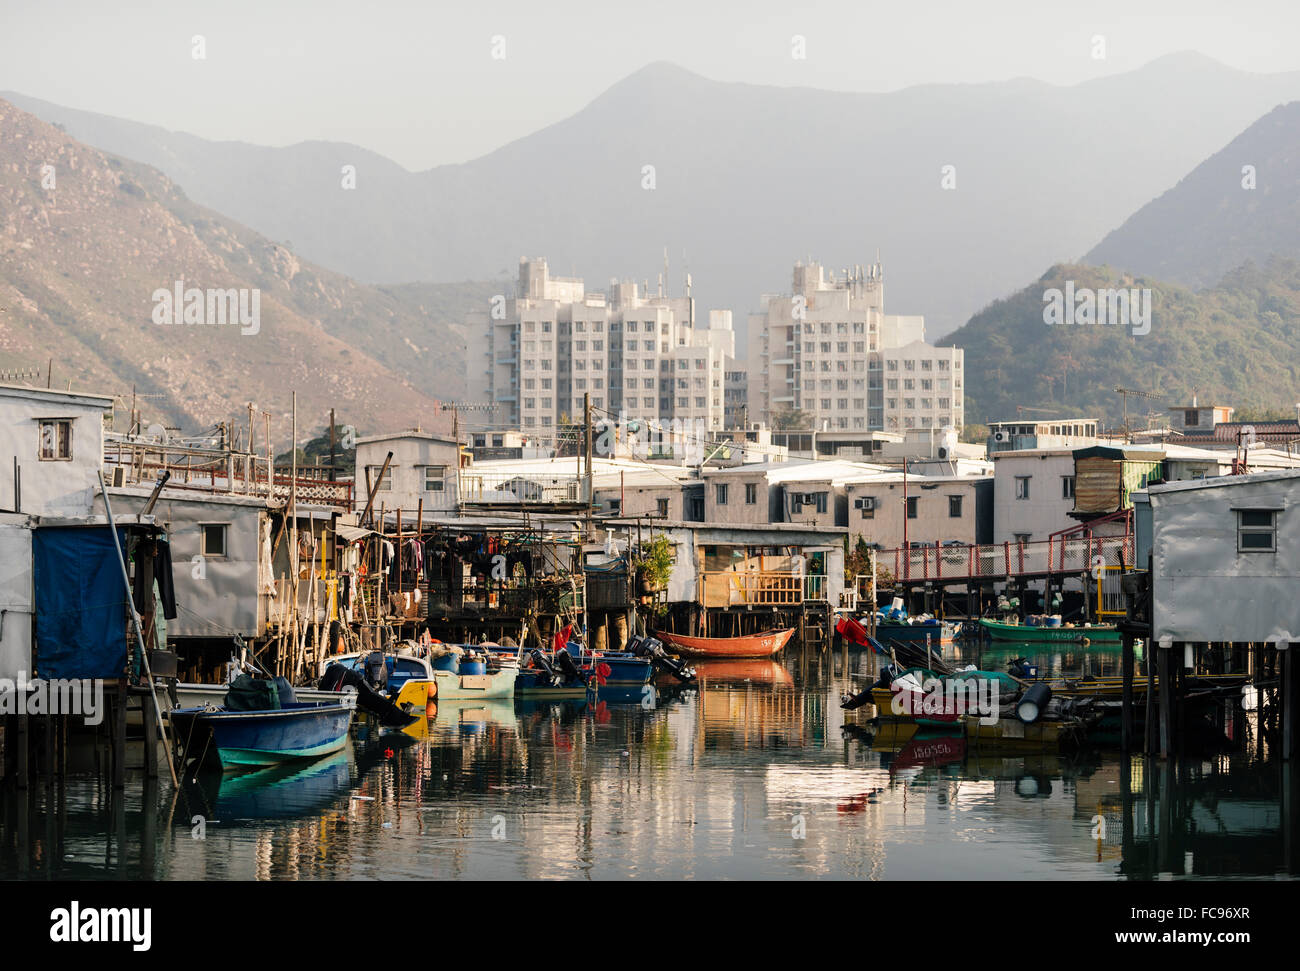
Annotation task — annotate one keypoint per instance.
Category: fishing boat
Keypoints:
(297, 730)
(1006, 735)
(754, 645)
(936, 633)
(1092, 633)
(464, 672)
(194, 695)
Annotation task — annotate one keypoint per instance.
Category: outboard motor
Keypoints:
(649, 647)
(337, 677)
(376, 667)
(1021, 668)
(568, 667)
(539, 659)
(851, 702)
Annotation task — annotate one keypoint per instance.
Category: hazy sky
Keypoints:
(417, 81)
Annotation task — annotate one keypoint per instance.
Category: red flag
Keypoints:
(562, 638)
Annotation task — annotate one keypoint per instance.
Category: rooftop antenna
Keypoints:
(1124, 393)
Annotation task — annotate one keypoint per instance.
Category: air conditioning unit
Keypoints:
(943, 453)
(1000, 436)
(864, 502)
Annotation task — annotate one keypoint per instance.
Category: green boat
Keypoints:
(1095, 634)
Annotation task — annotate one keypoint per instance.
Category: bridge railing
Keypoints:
(1065, 555)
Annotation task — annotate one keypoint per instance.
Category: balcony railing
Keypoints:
(514, 489)
(1064, 555)
(730, 588)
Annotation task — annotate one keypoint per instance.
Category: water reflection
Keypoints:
(754, 771)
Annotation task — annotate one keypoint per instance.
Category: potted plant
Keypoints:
(654, 565)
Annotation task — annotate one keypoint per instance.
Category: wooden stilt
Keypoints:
(1166, 700)
(22, 766)
(150, 736)
(119, 736)
(1288, 698)
(1126, 724)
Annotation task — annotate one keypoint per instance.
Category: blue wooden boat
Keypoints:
(300, 730)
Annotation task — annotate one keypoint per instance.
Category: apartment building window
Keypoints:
(380, 485)
(751, 493)
(546, 326)
(954, 507)
(1022, 538)
(1256, 530)
(911, 507)
(54, 440)
(1022, 486)
(1067, 487)
(720, 493)
(662, 506)
(213, 538)
(434, 476)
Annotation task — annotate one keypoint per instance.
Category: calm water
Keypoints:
(755, 773)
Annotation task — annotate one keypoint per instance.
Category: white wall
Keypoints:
(16, 596)
(1205, 590)
(1045, 511)
(410, 456)
(50, 487)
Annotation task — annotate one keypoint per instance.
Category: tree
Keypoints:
(791, 418)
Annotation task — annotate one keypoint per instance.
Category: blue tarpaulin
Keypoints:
(81, 612)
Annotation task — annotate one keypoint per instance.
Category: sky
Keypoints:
(431, 83)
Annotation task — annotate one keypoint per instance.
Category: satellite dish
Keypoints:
(157, 431)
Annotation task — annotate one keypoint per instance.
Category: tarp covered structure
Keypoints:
(82, 621)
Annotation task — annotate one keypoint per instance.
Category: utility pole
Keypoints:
(586, 451)
(332, 459)
(905, 508)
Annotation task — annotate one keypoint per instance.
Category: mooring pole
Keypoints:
(139, 635)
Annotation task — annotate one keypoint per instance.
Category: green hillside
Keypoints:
(1237, 343)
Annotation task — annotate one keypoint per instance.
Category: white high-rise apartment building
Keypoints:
(828, 349)
(535, 354)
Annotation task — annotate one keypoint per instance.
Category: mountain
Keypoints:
(747, 180)
(1210, 222)
(87, 242)
(1237, 343)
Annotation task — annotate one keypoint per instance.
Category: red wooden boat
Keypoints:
(755, 645)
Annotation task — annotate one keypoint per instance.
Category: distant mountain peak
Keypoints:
(1240, 204)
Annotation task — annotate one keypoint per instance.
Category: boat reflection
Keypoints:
(472, 716)
(762, 672)
(278, 792)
